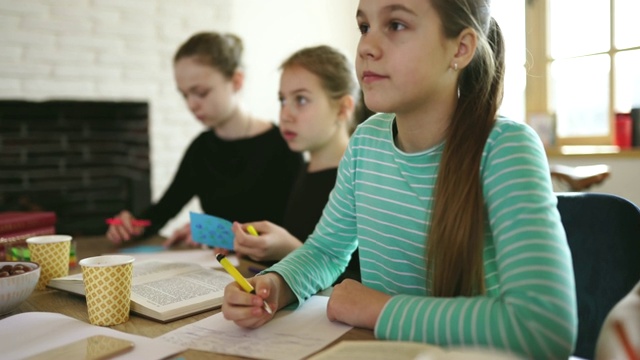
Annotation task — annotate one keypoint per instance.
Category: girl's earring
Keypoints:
(455, 66)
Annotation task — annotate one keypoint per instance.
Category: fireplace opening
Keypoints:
(84, 160)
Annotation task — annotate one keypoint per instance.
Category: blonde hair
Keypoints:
(220, 51)
(334, 70)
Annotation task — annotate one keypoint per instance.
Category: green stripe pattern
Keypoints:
(382, 204)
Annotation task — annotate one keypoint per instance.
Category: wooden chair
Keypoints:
(603, 232)
(579, 178)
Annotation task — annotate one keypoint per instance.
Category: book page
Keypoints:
(143, 271)
(292, 334)
(181, 285)
(165, 290)
(204, 257)
(72, 283)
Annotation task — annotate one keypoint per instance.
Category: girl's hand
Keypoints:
(246, 310)
(355, 304)
(124, 231)
(272, 243)
(183, 234)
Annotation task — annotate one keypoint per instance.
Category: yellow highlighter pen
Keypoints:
(227, 265)
(252, 230)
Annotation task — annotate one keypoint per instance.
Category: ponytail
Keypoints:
(456, 238)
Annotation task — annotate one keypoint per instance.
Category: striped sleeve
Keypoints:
(381, 204)
(530, 308)
(324, 256)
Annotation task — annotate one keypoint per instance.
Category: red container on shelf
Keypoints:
(624, 130)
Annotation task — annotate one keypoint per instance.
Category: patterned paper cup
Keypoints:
(52, 253)
(107, 284)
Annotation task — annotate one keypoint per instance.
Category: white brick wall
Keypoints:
(122, 49)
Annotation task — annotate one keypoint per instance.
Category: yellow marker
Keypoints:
(252, 230)
(227, 265)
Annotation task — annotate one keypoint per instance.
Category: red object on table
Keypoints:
(136, 222)
(624, 130)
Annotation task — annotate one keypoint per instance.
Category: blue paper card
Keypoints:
(143, 249)
(211, 230)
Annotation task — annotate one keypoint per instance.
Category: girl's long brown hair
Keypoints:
(456, 239)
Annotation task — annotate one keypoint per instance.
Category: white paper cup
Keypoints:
(51, 252)
(107, 284)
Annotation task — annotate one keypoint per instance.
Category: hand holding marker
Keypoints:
(240, 279)
(252, 230)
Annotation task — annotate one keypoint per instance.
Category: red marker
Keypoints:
(624, 339)
(135, 222)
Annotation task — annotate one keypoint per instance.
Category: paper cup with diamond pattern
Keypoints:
(52, 253)
(107, 285)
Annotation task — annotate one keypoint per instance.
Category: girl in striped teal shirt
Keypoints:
(451, 207)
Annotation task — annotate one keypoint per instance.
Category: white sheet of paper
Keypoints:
(292, 334)
(204, 257)
(399, 350)
(27, 334)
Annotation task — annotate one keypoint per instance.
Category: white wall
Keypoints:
(122, 50)
(273, 30)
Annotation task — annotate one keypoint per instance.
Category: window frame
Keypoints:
(537, 91)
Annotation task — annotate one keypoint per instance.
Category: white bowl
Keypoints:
(14, 289)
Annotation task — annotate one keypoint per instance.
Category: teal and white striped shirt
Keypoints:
(382, 204)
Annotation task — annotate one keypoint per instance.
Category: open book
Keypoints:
(165, 291)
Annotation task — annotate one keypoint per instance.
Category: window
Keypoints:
(509, 15)
(582, 65)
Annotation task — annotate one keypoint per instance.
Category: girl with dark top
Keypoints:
(240, 168)
(318, 93)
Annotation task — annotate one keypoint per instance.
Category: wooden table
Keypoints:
(75, 306)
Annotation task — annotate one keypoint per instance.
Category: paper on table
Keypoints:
(204, 257)
(399, 350)
(211, 230)
(378, 350)
(292, 334)
(28, 334)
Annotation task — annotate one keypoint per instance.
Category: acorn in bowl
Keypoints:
(17, 281)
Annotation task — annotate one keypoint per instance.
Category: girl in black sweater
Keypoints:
(318, 96)
(240, 168)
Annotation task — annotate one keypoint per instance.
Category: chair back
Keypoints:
(603, 232)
